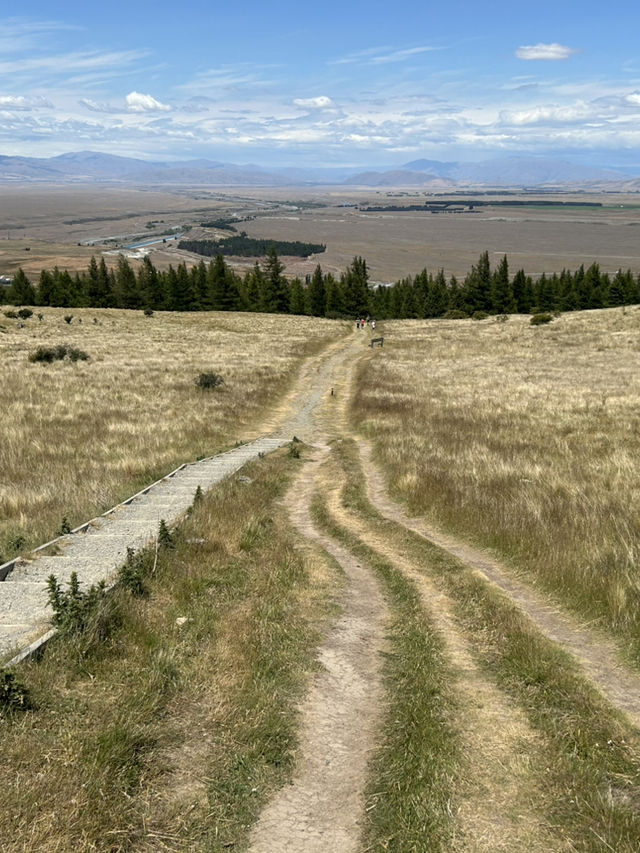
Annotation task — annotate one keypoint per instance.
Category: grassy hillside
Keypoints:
(78, 437)
(524, 439)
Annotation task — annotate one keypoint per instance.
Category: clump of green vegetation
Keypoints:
(455, 314)
(206, 381)
(479, 315)
(68, 318)
(12, 315)
(58, 353)
(25, 313)
(165, 539)
(65, 527)
(14, 696)
(541, 319)
(74, 609)
(132, 573)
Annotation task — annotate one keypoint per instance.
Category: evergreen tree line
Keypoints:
(215, 286)
(250, 247)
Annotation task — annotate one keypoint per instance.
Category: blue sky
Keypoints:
(277, 83)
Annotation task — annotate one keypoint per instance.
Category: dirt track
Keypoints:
(323, 807)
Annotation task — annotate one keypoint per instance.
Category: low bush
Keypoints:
(25, 313)
(12, 315)
(68, 318)
(539, 319)
(58, 353)
(207, 381)
(455, 314)
(13, 694)
(73, 609)
(479, 315)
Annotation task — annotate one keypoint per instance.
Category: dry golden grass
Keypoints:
(76, 438)
(524, 439)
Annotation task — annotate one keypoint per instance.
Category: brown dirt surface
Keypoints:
(321, 808)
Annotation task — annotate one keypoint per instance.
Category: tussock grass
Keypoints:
(525, 440)
(77, 438)
(589, 762)
(412, 771)
(170, 736)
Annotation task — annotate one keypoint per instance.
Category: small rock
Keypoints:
(196, 541)
(244, 479)
(182, 619)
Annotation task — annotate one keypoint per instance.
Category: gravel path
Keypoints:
(97, 553)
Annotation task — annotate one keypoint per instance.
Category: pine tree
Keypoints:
(317, 293)
(275, 291)
(477, 286)
(502, 300)
(21, 291)
(298, 304)
(356, 288)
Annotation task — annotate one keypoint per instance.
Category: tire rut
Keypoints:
(494, 812)
(597, 654)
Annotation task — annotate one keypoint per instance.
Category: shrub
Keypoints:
(455, 314)
(65, 527)
(148, 312)
(13, 694)
(539, 319)
(479, 315)
(68, 318)
(502, 318)
(57, 353)
(12, 315)
(209, 380)
(165, 539)
(131, 573)
(73, 609)
(25, 313)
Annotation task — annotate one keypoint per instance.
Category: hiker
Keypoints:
(373, 325)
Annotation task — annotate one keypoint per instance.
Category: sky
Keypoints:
(333, 83)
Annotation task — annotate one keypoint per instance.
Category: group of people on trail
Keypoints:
(362, 321)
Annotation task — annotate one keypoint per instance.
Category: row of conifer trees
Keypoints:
(215, 286)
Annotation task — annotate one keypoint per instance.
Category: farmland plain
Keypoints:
(44, 226)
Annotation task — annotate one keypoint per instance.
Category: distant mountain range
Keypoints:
(516, 172)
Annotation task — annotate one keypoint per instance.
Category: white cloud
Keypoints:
(401, 55)
(552, 51)
(20, 102)
(65, 64)
(139, 103)
(322, 102)
(633, 98)
(97, 106)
